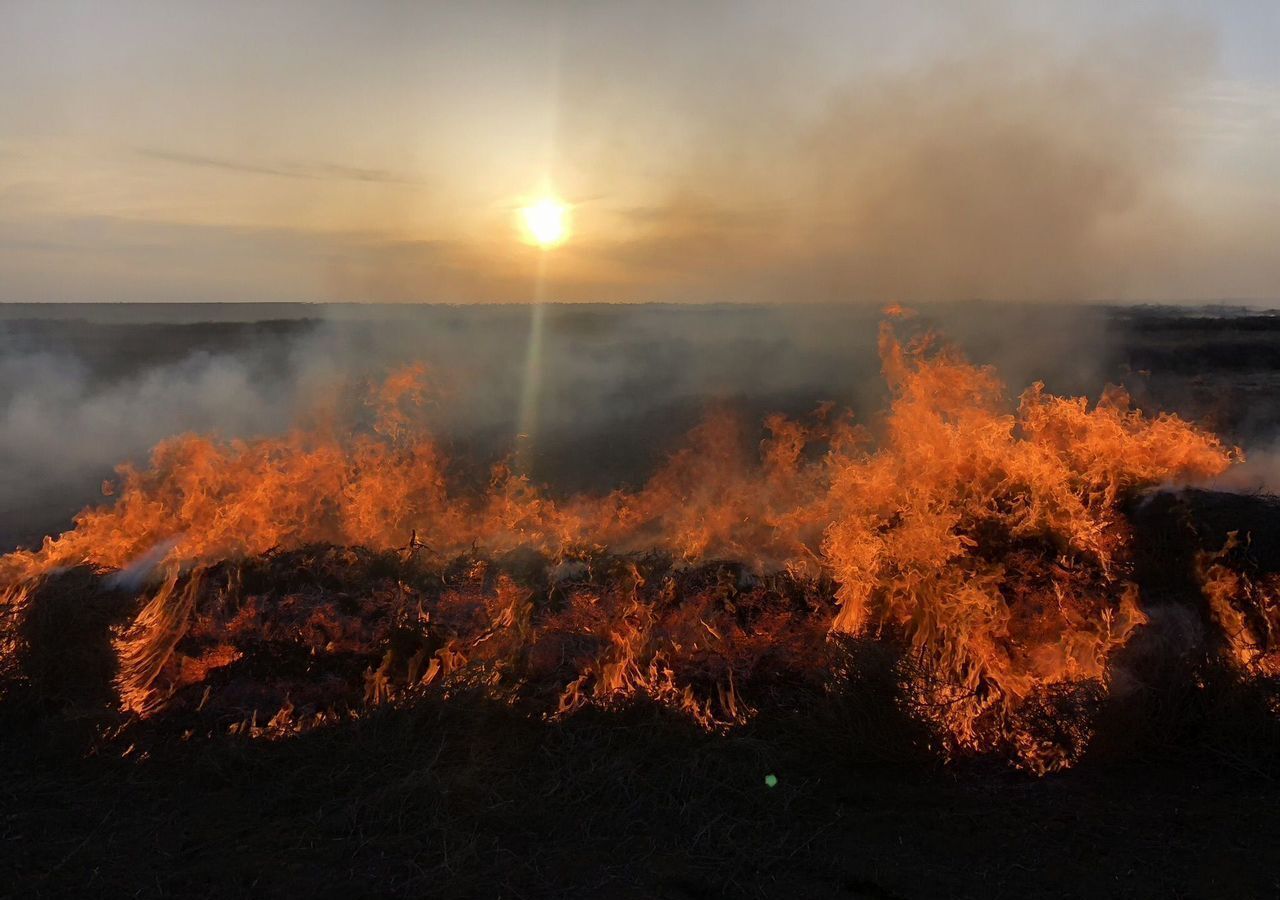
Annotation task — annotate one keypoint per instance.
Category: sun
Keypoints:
(546, 222)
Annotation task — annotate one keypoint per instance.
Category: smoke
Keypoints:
(1022, 170)
(617, 388)
(1258, 474)
(1018, 168)
(712, 152)
(78, 398)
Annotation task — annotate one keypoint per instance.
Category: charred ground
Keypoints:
(419, 793)
(465, 796)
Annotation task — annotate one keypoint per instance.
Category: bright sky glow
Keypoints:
(821, 150)
(546, 222)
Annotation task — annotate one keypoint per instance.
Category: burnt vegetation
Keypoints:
(373, 783)
(983, 654)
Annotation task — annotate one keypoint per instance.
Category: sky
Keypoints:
(743, 151)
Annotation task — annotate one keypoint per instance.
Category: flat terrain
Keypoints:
(466, 801)
(85, 387)
(1177, 797)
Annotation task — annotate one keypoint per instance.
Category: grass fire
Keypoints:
(273, 586)
(641, 451)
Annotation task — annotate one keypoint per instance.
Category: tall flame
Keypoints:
(986, 538)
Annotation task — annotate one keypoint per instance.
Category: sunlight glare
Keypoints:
(546, 222)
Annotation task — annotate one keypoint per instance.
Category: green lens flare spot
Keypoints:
(771, 780)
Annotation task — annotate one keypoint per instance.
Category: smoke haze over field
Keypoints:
(814, 160)
(751, 151)
(617, 387)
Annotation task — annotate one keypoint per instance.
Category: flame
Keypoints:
(1246, 608)
(986, 539)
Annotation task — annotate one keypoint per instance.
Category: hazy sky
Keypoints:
(712, 151)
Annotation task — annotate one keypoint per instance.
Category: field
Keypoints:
(408, 786)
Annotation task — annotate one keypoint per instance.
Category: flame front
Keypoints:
(986, 540)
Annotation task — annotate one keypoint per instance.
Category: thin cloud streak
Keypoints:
(315, 171)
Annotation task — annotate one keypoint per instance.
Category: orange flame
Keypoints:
(1246, 609)
(988, 540)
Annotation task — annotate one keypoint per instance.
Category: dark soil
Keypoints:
(467, 800)
(1177, 796)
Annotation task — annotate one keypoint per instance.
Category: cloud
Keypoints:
(997, 165)
(316, 171)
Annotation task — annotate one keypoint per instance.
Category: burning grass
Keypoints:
(306, 578)
(1244, 604)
